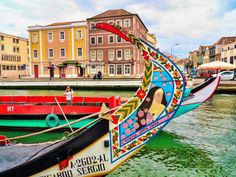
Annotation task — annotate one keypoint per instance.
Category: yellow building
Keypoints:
(14, 59)
(151, 38)
(58, 49)
(228, 53)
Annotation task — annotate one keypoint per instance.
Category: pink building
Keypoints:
(110, 54)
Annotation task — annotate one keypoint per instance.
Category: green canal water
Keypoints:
(199, 143)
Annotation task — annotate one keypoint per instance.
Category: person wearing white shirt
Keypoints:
(69, 95)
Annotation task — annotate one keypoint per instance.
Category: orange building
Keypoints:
(58, 49)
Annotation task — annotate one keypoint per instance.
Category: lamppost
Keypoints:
(172, 49)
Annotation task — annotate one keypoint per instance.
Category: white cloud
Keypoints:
(26, 13)
(190, 23)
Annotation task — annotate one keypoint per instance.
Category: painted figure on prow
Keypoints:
(152, 107)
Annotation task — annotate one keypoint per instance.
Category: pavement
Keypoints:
(46, 82)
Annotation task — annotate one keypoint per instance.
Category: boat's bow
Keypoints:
(198, 95)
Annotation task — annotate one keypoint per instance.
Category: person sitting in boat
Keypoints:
(69, 93)
(152, 107)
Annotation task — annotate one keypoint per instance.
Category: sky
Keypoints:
(180, 25)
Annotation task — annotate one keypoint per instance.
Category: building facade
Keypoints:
(110, 54)
(58, 50)
(228, 53)
(193, 57)
(14, 58)
(151, 38)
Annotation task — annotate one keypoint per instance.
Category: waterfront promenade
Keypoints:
(225, 86)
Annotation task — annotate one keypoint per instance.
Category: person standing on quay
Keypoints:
(69, 93)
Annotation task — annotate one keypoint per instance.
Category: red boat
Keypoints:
(50, 109)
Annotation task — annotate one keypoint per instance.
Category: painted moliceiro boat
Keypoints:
(106, 144)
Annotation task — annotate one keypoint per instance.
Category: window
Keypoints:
(100, 55)
(118, 69)
(119, 54)
(50, 53)
(127, 23)
(35, 54)
(235, 57)
(235, 46)
(93, 69)
(127, 54)
(111, 39)
(2, 38)
(119, 22)
(127, 69)
(93, 55)
(80, 52)
(231, 60)
(78, 34)
(118, 39)
(228, 48)
(35, 37)
(18, 49)
(63, 53)
(62, 35)
(100, 40)
(50, 37)
(17, 41)
(14, 49)
(92, 40)
(111, 69)
(14, 40)
(110, 22)
(92, 26)
(2, 47)
(111, 54)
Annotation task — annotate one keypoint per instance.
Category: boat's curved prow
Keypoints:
(198, 95)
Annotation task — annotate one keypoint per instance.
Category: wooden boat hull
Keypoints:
(63, 151)
(38, 107)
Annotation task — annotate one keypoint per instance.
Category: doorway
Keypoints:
(36, 71)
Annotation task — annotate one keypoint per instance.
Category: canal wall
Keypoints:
(224, 87)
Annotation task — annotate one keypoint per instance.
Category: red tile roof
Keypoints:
(63, 23)
(225, 40)
(115, 13)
